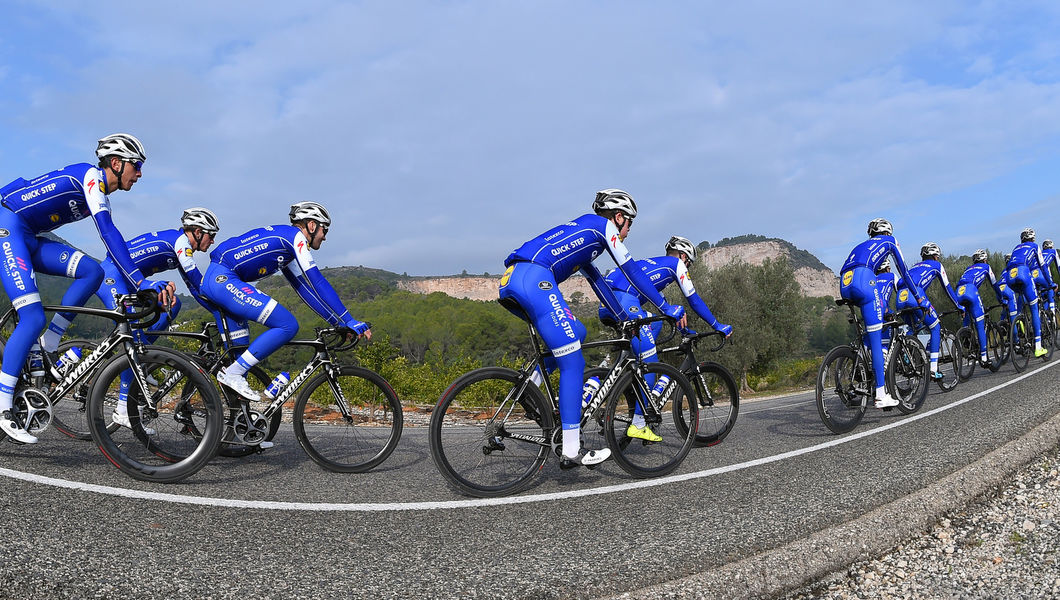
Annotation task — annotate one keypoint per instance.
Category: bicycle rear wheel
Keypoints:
(970, 344)
(349, 422)
(70, 413)
(673, 416)
(907, 373)
(951, 357)
(997, 343)
(844, 388)
(187, 426)
(719, 401)
(1021, 342)
(487, 438)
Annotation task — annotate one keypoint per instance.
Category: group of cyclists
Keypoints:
(867, 281)
(529, 287)
(75, 192)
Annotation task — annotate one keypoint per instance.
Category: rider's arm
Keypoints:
(603, 291)
(1045, 267)
(99, 207)
(697, 304)
(314, 289)
(949, 288)
(633, 272)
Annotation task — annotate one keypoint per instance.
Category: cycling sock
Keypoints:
(638, 421)
(571, 442)
(242, 364)
(7, 391)
(536, 377)
(54, 333)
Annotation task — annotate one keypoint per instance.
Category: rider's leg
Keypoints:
(21, 288)
(55, 258)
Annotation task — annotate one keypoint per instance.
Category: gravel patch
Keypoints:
(1003, 547)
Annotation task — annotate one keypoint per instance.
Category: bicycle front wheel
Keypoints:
(487, 437)
(951, 356)
(970, 343)
(844, 387)
(672, 415)
(907, 373)
(349, 420)
(1021, 342)
(172, 434)
(719, 401)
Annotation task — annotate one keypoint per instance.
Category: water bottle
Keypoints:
(591, 385)
(36, 361)
(72, 355)
(277, 384)
(660, 385)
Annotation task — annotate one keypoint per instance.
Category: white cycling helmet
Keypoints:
(681, 244)
(884, 266)
(121, 145)
(613, 199)
(980, 256)
(1027, 235)
(880, 227)
(930, 249)
(310, 210)
(202, 218)
(1047, 244)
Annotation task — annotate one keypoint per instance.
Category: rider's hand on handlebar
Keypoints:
(360, 328)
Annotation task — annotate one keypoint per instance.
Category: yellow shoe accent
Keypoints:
(643, 433)
(1040, 352)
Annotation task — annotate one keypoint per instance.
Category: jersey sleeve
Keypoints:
(99, 208)
(693, 298)
(312, 287)
(603, 292)
(949, 288)
(188, 269)
(903, 271)
(630, 268)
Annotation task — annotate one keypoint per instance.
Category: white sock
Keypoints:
(7, 391)
(638, 421)
(571, 442)
(881, 392)
(122, 408)
(242, 364)
(54, 333)
(536, 377)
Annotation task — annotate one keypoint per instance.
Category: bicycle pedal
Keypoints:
(887, 409)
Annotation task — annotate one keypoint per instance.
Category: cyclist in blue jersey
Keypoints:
(661, 271)
(45, 203)
(1044, 277)
(968, 294)
(1026, 258)
(920, 277)
(260, 252)
(1006, 295)
(858, 284)
(529, 289)
(153, 253)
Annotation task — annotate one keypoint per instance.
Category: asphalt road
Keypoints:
(274, 525)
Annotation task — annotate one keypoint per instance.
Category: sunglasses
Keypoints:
(137, 164)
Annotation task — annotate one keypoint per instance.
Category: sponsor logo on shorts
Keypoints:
(848, 277)
(221, 278)
(545, 285)
(4, 233)
(903, 295)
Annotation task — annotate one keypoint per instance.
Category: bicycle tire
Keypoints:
(70, 414)
(907, 373)
(676, 420)
(999, 341)
(187, 428)
(844, 388)
(951, 354)
(1048, 331)
(476, 455)
(348, 439)
(970, 344)
(719, 401)
(1021, 342)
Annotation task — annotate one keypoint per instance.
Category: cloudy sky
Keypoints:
(441, 135)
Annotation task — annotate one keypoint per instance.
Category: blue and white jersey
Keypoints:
(1049, 259)
(575, 244)
(66, 195)
(1028, 254)
(870, 254)
(261, 252)
(976, 274)
(160, 251)
(661, 272)
(923, 273)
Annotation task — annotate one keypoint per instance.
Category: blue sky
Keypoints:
(442, 135)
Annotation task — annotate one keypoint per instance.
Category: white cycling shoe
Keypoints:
(123, 420)
(239, 385)
(885, 400)
(13, 431)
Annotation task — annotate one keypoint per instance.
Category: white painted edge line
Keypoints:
(482, 502)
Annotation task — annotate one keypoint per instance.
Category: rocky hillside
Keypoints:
(815, 280)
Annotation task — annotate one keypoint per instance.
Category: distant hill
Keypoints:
(814, 278)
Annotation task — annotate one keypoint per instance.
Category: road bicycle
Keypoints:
(716, 390)
(996, 345)
(951, 353)
(347, 418)
(493, 428)
(1021, 335)
(845, 382)
(85, 393)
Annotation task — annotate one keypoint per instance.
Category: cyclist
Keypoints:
(1006, 295)
(529, 289)
(661, 271)
(1044, 278)
(858, 284)
(968, 294)
(30, 208)
(153, 253)
(256, 254)
(920, 277)
(1027, 257)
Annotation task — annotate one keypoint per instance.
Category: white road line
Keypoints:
(476, 503)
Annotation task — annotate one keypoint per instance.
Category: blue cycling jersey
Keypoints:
(661, 272)
(1028, 254)
(66, 195)
(261, 252)
(160, 251)
(923, 273)
(976, 274)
